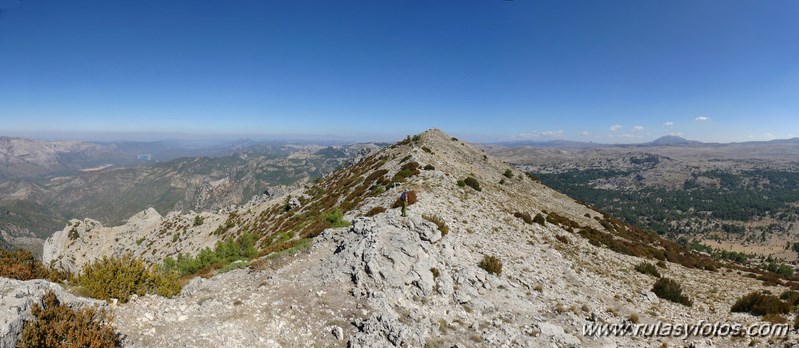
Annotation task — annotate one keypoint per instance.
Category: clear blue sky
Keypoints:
(606, 71)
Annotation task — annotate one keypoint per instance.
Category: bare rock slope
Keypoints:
(390, 280)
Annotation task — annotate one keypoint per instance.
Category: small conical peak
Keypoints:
(435, 133)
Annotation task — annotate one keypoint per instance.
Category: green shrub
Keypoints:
(473, 183)
(783, 270)
(791, 297)
(491, 264)
(336, 219)
(563, 239)
(427, 149)
(647, 268)
(407, 170)
(442, 226)
(55, 325)
(758, 303)
(524, 216)
(429, 167)
(122, 277)
(508, 173)
(243, 248)
(198, 220)
(669, 289)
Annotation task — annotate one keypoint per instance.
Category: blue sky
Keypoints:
(603, 71)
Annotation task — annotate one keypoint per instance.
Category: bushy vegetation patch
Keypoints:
(407, 170)
(471, 182)
(563, 239)
(759, 303)
(336, 219)
(647, 268)
(224, 252)
(442, 226)
(669, 289)
(20, 264)
(198, 220)
(563, 221)
(524, 216)
(429, 167)
(120, 278)
(508, 173)
(374, 211)
(55, 325)
(780, 269)
(491, 264)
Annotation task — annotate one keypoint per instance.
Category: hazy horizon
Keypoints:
(485, 71)
(217, 139)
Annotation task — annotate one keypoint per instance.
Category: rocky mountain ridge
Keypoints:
(390, 280)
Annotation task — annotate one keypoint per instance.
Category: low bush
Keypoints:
(759, 303)
(562, 239)
(491, 264)
(336, 219)
(427, 149)
(198, 220)
(407, 170)
(508, 173)
(791, 297)
(243, 248)
(524, 216)
(55, 325)
(374, 211)
(473, 183)
(442, 226)
(647, 268)
(429, 167)
(669, 289)
(122, 277)
(20, 264)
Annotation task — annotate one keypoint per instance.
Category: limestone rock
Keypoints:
(17, 298)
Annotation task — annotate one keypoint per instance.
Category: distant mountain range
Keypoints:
(45, 183)
(668, 140)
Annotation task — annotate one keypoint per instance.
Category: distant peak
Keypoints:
(672, 140)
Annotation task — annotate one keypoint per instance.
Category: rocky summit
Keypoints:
(486, 256)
